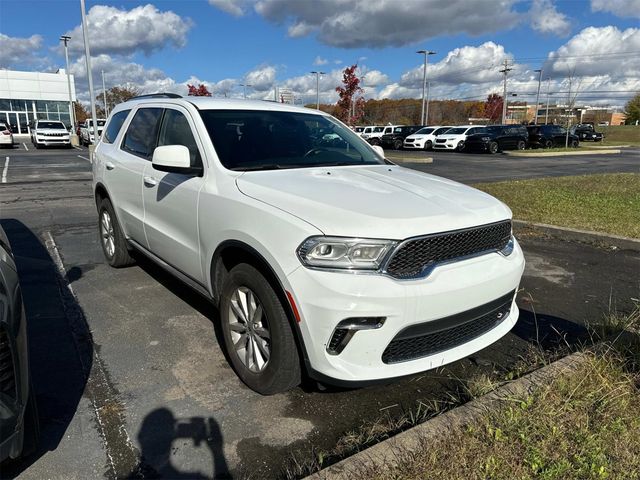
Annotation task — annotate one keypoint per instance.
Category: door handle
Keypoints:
(109, 166)
(150, 181)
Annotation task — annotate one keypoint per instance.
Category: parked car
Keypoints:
(585, 133)
(455, 138)
(366, 131)
(19, 418)
(396, 138)
(6, 137)
(87, 131)
(321, 259)
(496, 138)
(424, 138)
(50, 133)
(548, 136)
(374, 138)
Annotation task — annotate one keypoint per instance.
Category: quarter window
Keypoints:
(115, 124)
(140, 138)
(175, 130)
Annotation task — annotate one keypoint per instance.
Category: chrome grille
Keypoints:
(414, 256)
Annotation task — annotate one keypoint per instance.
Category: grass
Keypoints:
(607, 203)
(619, 135)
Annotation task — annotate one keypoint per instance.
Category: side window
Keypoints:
(115, 124)
(140, 138)
(175, 130)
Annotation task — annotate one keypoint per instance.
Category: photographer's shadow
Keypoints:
(158, 432)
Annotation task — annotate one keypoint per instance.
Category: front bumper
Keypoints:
(446, 146)
(415, 145)
(326, 298)
(477, 146)
(53, 141)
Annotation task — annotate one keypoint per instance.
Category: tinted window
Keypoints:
(175, 130)
(424, 131)
(442, 130)
(140, 138)
(264, 140)
(456, 131)
(50, 125)
(115, 124)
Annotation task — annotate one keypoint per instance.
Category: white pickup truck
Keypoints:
(87, 131)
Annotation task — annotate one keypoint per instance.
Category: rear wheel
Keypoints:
(428, 145)
(493, 147)
(460, 146)
(575, 143)
(257, 334)
(112, 240)
(548, 144)
(397, 144)
(521, 145)
(375, 141)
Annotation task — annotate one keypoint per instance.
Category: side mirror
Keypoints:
(379, 150)
(173, 159)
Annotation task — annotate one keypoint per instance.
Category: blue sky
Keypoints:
(164, 44)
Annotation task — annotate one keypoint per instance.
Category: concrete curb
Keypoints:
(609, 151)
(435, 431)
(412, 160)
(584, 236)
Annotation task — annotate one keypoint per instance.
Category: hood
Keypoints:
(449, 136)
(384, 201)
(52, 130)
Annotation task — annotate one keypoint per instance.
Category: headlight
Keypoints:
(344, 253)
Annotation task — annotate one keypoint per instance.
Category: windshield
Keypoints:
(359, 129)
(378, 129)
(457, 131)
(424, 131)
(268, 140)
(51, 125)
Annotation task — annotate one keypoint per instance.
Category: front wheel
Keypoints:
(257, 334)
(428, 145)
(493, 147)
(112, 240)
(460, 146)
(521, 145)
(574, 143)
(548, 144)
(397, 145)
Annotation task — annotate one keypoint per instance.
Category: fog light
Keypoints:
(347, 328)
(508, 248)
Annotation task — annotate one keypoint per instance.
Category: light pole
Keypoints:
(87, 55)
(104, 96)
(504, 71)
(535, 119)
(426, 54)
(244, 88)
(546, 112)
(72, 114)
(317, 74)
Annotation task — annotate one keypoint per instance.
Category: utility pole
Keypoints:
(72, 114)
(104, 96)
(426, 114)
(87, 55)
(546, 113)
(535, 120)
(317, 74)
(504, 71)
(244, 88)
(567, 111)
(426, 54)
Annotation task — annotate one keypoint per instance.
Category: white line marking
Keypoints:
(75, 146)
(84, 158)
(5, 170)
(25, 146)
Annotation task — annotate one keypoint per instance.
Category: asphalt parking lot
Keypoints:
(128, 370)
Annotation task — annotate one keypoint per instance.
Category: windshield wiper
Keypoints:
(269, 166)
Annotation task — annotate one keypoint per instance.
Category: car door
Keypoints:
(124, 168)
(171, 199)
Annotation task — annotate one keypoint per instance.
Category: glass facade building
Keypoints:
(29, 96)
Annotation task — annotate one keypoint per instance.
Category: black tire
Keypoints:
(36, 146)
(282, 370)
(120, 256)
(397, 145)
(575, 143)
(375, 141)
(493, 147)
(460, 146)
(548, 144)
(521, 145)
(428, 145)
(31, 425)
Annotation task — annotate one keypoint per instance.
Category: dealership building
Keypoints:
(29, 96)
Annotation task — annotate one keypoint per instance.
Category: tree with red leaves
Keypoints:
(199, 91)
(493, 108)
(348, 108)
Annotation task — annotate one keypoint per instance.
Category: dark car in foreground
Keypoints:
(396, 138)
(585, 132)
(549, 136)
(496, 138)
(18, 417)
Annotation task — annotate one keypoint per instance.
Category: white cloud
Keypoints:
(143, 28)
(19, 51)
(374, 78)
(379, 23)
(621, 8)
(320, 61)
(262, 78)
(546, 19)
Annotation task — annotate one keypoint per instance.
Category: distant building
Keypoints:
(286, 96)
(602, 116)
(29, 96)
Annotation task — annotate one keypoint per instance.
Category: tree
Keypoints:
(493, 108)
(632, 110)
(81, 113)
(116, 95)
(348, 108)
(199, 91)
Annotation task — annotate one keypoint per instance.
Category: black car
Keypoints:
(586, 132)
(549, 136)
(495, 138)
(396, 139)
(18, 416)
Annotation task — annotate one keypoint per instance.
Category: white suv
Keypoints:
(323, 258)
(87, 136)
(424, 138)
(454, 138)
(49, 133)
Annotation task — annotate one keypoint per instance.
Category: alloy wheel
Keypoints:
(249, 330)
(107, 234)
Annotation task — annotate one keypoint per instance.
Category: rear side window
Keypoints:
(175, 130)
(142, 133)
(115, 124)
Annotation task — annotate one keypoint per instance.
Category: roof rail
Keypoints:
(157, 95)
